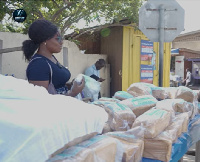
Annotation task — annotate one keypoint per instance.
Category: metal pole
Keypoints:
(1, 46)
(161, 43)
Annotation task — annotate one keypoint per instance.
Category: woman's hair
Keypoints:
(38, 32)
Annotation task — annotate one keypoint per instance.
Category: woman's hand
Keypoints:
(77, 87)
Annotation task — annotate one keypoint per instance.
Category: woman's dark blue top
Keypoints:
(38, 70)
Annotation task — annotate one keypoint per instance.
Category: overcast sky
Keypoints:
(192, 13)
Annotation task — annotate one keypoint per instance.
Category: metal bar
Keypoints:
(164, 28)
(7, 50)
(161, 43)
(148, 9)
(1, 46)
(170, 28)
(197, 153)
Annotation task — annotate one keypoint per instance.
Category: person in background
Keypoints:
(94, 71)
(188, 78)
(45, 40)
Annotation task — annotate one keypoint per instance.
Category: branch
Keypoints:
(54, 17)
(55, 3)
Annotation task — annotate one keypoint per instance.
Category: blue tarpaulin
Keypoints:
(175, 51)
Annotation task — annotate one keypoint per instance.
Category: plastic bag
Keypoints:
(91, 89)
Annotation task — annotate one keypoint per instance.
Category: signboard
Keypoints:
(146, 74)
(150, 19)
(146, 50)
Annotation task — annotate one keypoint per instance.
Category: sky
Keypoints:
(192, 12)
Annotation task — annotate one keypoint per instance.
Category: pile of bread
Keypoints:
(143, 121)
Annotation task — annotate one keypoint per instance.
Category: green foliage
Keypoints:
(66, 13)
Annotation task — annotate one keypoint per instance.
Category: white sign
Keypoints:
(149, 19)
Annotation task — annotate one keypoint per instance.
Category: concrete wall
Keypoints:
(13, 62)
(70, 56)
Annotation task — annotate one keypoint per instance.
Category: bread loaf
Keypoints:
(121, 116)
(140, 104)
(140, 89)
(185, 93)
(154, 121)
(122, 95)
(133, 146)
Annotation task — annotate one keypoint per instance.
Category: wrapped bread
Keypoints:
(171, 92)
(109, 99)
(122, 95)
(175, 106)
(121, 116)
(104, 148)
(197, 94)
(75, 142)
(160, 147)
(133, 143)
(154, 121)
(159, 93)
(98, 148)
(140, 89)
(185, 118)
(185, 93)
(140, 104)
(106, 128)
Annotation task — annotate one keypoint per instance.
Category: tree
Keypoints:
(66, 13)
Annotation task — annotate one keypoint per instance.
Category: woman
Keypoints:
(46, 39)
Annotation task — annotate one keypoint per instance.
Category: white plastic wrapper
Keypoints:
(154, 121)
(140, 89)
(122, 95)
(160, 147)
(121, 117)
(34, 124)
(109, 99)
(140, 104)
(175, 106)
(159, 93)
(92, 87)
(185, 93)
(171, 91)
(97, 149)
(132, 142)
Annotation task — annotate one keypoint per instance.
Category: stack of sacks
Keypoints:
(122, 95)
(133, 143)
(98, 148)
(154, 121)
(140, 104)
(171, 92)
(108, 99)
(185, 93)
(140, 89)
(160, 147)
(121, 116)
(175, 106)
(159, 93)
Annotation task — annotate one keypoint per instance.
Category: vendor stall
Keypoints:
(145, 123)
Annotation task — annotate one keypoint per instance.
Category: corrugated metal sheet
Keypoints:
(131, 59)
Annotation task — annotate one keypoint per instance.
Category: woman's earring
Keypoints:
(45, 43)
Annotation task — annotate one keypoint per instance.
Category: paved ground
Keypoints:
(189, 158)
